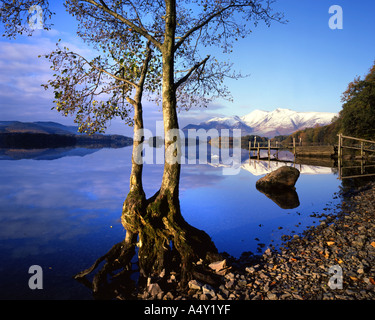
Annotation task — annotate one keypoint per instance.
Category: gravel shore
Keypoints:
(334, 260)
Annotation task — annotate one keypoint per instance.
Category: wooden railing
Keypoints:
(363, 146)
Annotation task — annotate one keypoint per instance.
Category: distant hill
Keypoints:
(39, 135)
(37, 127)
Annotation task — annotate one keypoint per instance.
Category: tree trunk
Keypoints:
(135, 202)
(120, 255)
(164, 235)
(163, 221)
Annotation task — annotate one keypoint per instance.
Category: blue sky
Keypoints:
(302, 65)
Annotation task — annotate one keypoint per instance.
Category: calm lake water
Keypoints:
(61, 210)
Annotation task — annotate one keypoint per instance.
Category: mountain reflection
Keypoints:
(44, 154)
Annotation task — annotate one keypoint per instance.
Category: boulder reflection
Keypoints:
(285, 198)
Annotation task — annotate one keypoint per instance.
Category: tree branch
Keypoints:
(141, 30)
(104, 71)
(189, 73)
(145, 65)
(200, 25)
(255, 7)
(103, 3)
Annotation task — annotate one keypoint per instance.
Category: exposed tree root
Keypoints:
(118, 257)
(166, 243)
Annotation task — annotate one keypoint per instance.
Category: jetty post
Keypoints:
(269, 149)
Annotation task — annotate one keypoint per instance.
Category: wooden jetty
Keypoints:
(315, 151)
(297, 150)
(256, 147)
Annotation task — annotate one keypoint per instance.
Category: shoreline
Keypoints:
(334, 260)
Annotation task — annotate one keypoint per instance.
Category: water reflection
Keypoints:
(44, 154)
(285, 199)
(64, 214)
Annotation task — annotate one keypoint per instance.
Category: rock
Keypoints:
(162, 274)
(250, 270)
(154, 289)
(229, 284)
(271, 296)
(268, 252)
(195, 285)
(168, 296)
(284, 177)
(230, 276)
(220, 297)
(208, 290)
(218, 265)
(285, 295)
(242, 283)
(203, 297)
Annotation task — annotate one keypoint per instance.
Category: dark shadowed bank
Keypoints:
(27, 140)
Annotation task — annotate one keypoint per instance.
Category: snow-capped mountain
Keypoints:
(268, 123)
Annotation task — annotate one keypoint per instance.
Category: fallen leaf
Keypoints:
(354, 278)
(330, 243)
(372, 281)
(373, 244)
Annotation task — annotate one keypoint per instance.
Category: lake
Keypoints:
(60, 209)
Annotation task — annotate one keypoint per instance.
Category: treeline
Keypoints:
(319, 135)
(263, 141)
(26, 140)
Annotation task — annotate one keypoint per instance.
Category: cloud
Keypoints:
(21, 94)
(196, 117)
(22, 97)
(22, 74)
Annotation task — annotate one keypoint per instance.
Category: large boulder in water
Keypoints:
(284, 177)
